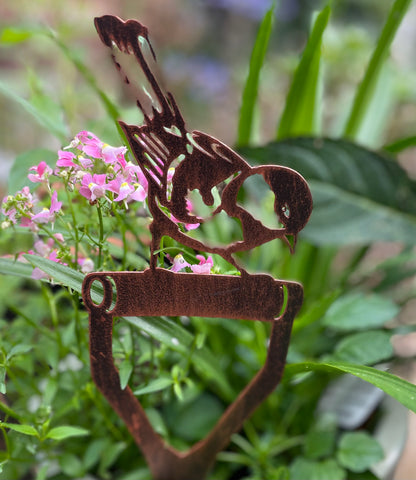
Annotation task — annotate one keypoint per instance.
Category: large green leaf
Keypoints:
(402, 391)
(359, 196)
(358, 451)
(357, 311)
(365, 348)
(299, 115)
(312, 470)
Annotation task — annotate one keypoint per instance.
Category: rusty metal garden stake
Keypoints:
(201, 162)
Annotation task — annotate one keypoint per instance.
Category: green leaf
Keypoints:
(71, 465)
(193, 419)
(302, 468)
(359, 196)
(66, 431)
(320, 440)
(40, 109)
(13, 35)
(3, 372)
(125, 371)
(177, 338)
(299, 115)
(315, 311)
(20, 168)
(14, 267)
(365, 348)
(91, 79)
(358, 451)
(155, 385)
(25, 429)
(358, 311)
(251, 87)
(18, 350)
(61, 273)
(402, 391)
(399, 145)
(368, 84)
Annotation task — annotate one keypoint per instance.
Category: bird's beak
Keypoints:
(291, 240)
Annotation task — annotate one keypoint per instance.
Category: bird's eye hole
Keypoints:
(286, 210)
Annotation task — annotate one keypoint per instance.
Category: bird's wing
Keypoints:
(163, 137)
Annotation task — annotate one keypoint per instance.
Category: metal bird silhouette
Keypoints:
(201, 161)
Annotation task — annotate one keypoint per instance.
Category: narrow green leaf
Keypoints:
(299, 115)
(3, 372)
(10, 266)
(358, 451)
(315, 312)
(402, 391)
(25, 429)
(357, 311)
(400, 145)
(66, 431)
(125, 371)
(367, 86)
(251, 87)
(110, 107)
(37, 112)
(13, 35)
(155, 385)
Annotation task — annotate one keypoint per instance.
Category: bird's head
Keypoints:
(293, 199)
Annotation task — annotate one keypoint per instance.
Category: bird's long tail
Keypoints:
(162, 138)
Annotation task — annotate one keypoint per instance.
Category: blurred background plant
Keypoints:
(346, 73)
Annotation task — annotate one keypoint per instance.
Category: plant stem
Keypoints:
(74, 223)
(101, 236)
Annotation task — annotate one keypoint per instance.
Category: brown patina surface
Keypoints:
(201, 162)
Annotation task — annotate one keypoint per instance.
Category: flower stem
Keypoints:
(101, 236)
(74, 223)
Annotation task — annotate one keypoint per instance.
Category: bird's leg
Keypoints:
(155, 244)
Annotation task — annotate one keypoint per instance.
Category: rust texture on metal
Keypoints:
(200, 163)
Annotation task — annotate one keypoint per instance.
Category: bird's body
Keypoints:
(201, 161)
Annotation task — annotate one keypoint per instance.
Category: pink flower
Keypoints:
(48, 215)
(42, 173)
(113, 154)
(46, 250)
(66, 159)
(126, 191)
(86, 264)
(93, 186)
(89, 143)
(179, 263)
(204, 266)
(188, 226)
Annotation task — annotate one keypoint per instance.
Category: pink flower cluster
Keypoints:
(22, 209)
(203, 267)
(100, 170)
